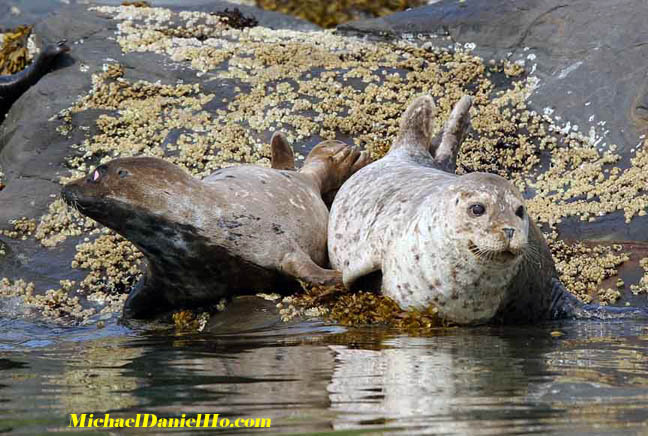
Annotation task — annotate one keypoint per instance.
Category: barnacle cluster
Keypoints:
(584, 267)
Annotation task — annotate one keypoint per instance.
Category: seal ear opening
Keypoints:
(416, 126)
(282, 157)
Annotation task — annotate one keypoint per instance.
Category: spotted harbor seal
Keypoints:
(14, 85)
(242, 229)
(464, 244)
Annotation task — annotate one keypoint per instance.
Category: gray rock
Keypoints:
(591, 57)
(587, 51)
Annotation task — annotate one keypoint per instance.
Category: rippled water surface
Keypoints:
(577, 377)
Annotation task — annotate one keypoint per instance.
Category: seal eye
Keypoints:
(520, 211)
(97, 174)
(477, 209)
(123, 173)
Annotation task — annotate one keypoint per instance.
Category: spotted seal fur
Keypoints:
(242, 229)
(14, 85)
(464, 244)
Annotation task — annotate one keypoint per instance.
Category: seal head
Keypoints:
(130, 188)
(462, 249)
(490, 220)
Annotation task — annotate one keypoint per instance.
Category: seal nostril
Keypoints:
(509, 232)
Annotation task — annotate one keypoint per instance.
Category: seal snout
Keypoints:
(502, 253)
(69, 194)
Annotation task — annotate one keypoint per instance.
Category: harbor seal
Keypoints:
(242, 229)
(464, 244)
(14, 85)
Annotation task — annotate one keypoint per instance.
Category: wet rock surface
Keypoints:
(211, 96)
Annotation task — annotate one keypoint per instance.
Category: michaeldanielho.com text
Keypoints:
(150, 420)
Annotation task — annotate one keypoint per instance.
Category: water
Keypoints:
(591, 379)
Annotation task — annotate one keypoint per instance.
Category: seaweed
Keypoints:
(14, 55)
(331, 13)
(137, 4)
(236, 19)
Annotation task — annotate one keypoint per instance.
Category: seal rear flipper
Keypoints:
(564, 305)
(416, 128)
(300, 266)
(330, 163)
(454, 132)
(283, 157)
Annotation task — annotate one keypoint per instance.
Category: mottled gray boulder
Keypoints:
(591, 55)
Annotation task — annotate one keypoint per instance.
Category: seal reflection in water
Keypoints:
(242, 229)
(464, 244)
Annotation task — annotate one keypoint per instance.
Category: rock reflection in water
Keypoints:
(94, 379)
(601, 375)
(246, 376)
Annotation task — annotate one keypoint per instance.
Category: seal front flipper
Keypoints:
(300, 266)
(143, 303)
(148, 298)
(454, 132)
(283, 157)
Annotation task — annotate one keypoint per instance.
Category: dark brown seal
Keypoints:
(14, 85)
(243, 229)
